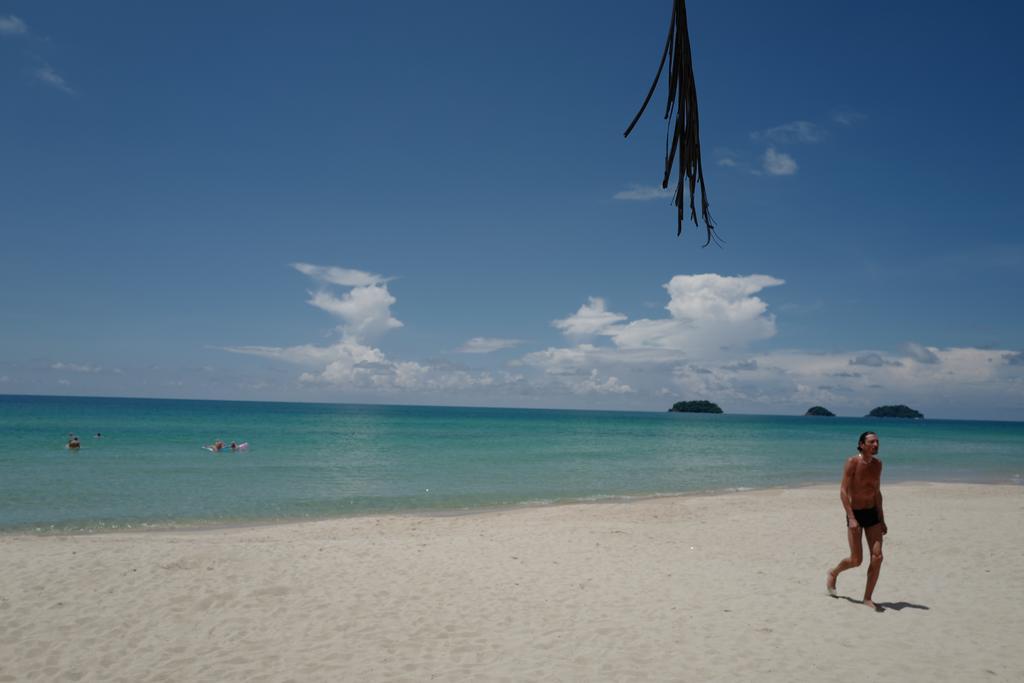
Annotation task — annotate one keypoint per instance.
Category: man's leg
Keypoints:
(874, 534)
(853, 536)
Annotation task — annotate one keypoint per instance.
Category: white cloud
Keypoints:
(960, 379)
(591, 318)
(787, 133)
(704, 346)
(75, 367)
(365, 310)
(12, 25)
(710, 316)
(922, 354)
(47, 75)
(487, 345)
(708, 312)
(873, 360)
(345, 277)
(703, 349)
(64, 382)
(643, 193)
(710, 296)
(567, 361)
(346, 362)
(593, 384)
(727, 161)
(310, 355)
(351, 363)
(354, 366)
(778, 163)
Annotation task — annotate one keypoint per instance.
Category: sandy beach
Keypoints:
(711, 587)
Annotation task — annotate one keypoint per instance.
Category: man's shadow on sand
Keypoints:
(883, 606)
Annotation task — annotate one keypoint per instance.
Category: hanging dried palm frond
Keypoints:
(685, 135)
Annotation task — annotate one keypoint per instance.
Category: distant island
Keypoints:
(694, 407)
(818, 411)
(894, 411)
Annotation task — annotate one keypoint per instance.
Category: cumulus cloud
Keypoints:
(704, 345)
(591, 318)
(1014, 358)
(354, 366)
(643, 193)
(567, 361)
(12, 25)
(487, 345)
(366, 311)
(922, 354)
(593, 384)
(710, 319)
(707, 313)
(345, 362)
(47, 75)
(778, 163)
(961, 378)
(788, 133)
(720, 298)
(351, 363)
(873, 360)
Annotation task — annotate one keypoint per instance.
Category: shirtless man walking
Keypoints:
(862, 500)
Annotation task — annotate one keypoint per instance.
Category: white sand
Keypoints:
(695, 588)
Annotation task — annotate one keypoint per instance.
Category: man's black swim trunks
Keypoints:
(867, 517)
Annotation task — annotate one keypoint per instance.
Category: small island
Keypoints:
(694, 407)
(818, 411)
(895, 411)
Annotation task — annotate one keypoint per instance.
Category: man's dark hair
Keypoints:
(863, 438)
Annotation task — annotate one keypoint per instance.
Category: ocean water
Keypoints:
(324, 460)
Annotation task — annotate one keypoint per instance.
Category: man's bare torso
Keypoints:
(864, 482)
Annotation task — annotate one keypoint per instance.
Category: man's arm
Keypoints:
(844, 492)
(878, 501)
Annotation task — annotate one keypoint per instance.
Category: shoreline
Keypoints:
(691, 587)
(610, 499)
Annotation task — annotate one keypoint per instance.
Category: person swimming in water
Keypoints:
(73, 442)
(217, 446)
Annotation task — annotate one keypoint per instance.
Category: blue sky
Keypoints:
(433, 203)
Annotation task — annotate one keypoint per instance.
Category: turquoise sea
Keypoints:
(323, 460)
